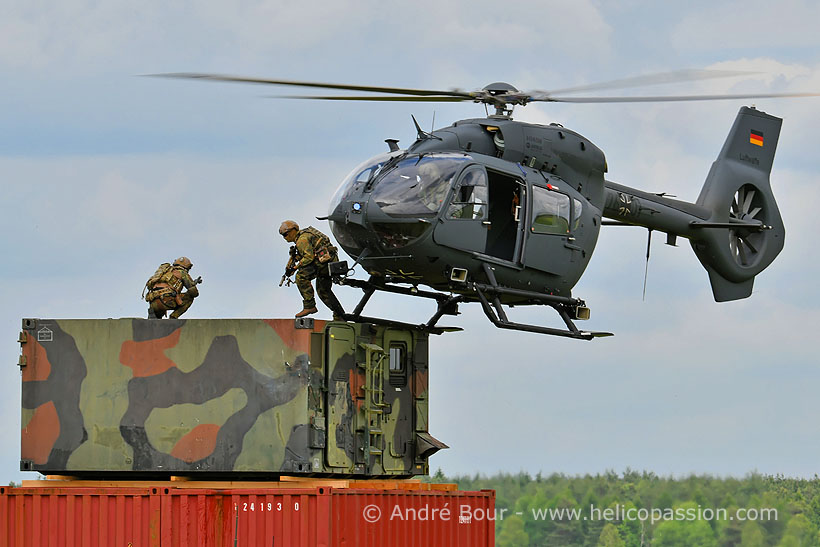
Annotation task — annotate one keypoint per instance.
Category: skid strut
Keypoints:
(487, 294)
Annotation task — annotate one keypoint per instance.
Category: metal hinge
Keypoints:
(22, 362)
(303, 323)
(23, 338)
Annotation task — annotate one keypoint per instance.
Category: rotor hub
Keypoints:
(499, 88)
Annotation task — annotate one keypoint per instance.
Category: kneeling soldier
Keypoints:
(165, 289)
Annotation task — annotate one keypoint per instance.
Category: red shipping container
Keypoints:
(170, 516)
(390, 518)
(87, 517)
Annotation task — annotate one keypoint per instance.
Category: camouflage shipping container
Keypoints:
(223, 397)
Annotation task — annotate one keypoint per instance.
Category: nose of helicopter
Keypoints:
(396, 204)
(363, 224)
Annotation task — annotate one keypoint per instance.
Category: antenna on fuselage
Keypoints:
(646, 267)
(422, 135)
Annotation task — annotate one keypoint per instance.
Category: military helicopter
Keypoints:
(507, 213)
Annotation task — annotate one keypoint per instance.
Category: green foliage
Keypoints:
(610, 537)
(794, 520)
(438, 477)
(684, 533)
(800, 532)
(752, 535)
(512, 533)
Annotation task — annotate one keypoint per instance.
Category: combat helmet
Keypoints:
(183, 261)
(287, 226)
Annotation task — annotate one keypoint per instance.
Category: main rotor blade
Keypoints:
(247, 80)
(653, 79)
(667, 98)
(432, 99)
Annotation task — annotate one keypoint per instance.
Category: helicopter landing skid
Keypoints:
(447, 304)
(487, 295)
(561, 304)
(495, 313)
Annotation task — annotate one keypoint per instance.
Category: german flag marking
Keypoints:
(756, 137)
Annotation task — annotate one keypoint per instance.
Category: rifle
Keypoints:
(289, 267)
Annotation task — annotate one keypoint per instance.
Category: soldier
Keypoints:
(309, 258)
(165, 289)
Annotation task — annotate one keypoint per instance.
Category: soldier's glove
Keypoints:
(285, 278)
(198, 280)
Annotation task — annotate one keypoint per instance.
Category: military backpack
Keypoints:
(164, 274)
(323, 249)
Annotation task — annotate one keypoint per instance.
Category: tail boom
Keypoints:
(734, 227)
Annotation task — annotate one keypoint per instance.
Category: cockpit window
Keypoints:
(417, 186)
(358, 177)
(470, 199)
(577, 209)
(550, 212)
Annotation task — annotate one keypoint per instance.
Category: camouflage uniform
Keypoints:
(167, 293)
(308, 268)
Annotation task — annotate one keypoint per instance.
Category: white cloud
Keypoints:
(262, 34)
(748, 25)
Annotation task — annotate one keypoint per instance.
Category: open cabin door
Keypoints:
(506, 217)
(484, 214)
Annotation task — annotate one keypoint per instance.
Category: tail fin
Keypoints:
(738, 192)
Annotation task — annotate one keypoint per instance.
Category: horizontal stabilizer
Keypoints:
(725, 290)
(598, 334)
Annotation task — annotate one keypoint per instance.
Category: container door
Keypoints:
(343, 388)
(398, 396)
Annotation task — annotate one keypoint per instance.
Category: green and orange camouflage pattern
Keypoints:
(223, 397)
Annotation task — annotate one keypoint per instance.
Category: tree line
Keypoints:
(636, 509)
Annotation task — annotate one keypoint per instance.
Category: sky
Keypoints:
(106, 173)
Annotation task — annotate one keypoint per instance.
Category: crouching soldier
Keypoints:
(165, 289)
(313, 252)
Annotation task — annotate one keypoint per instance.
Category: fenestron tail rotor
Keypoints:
(747, 205)
(747, 231)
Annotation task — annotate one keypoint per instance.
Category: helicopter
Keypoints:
(507, 213)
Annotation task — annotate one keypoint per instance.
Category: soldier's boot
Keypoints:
(307, 311)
